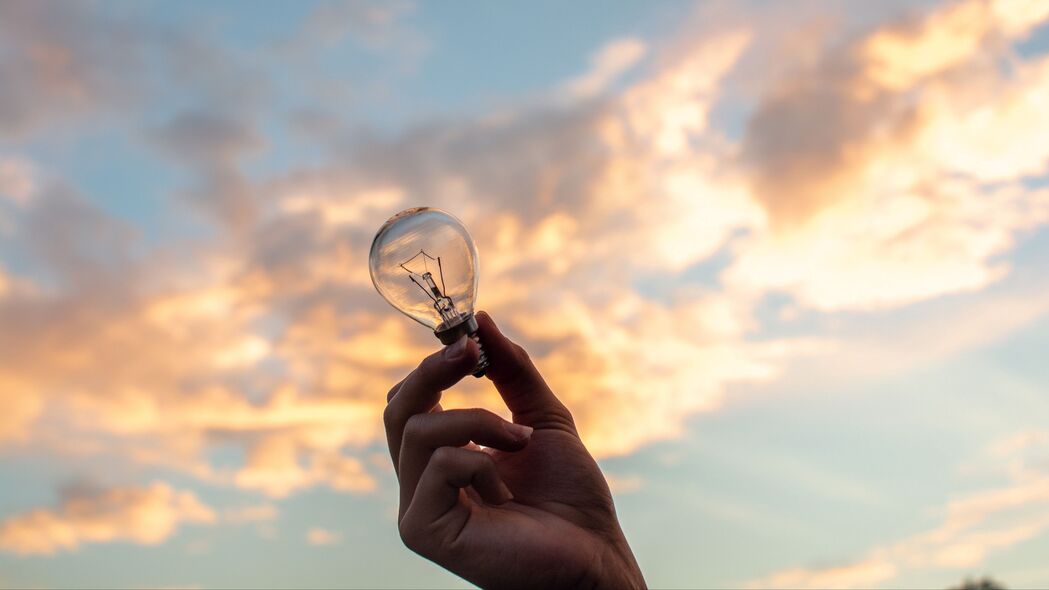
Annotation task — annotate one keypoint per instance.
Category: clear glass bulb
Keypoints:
(424, 263)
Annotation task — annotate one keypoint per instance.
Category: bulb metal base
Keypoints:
(467, 326)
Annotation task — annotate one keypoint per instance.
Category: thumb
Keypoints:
(518, 381)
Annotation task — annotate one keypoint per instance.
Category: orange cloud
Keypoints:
(23, 405)
(891, 179)
(864, 574)
(606, 65)
(147, 516)
(275, 467)
(889, 249)
(320, 536)
(631, 370)
(901, 56)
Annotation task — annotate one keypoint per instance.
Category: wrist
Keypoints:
(618, 568)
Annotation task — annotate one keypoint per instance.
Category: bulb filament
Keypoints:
(441, 301)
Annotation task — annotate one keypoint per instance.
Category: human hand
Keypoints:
(531, 510)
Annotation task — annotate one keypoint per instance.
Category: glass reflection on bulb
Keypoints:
(424, 263)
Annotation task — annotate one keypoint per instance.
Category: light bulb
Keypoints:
(424, 263)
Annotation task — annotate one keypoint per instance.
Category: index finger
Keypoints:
(421, 389)
(529, 398)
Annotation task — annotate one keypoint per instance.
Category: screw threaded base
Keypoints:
(466, 326)
(482, 361)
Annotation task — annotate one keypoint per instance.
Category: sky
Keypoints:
(785, 262)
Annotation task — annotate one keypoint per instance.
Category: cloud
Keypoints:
(372, 23)
(685, 354)
(973, 526)
(73, 243)
(608, 64)
(817, 133)
(1020, 450)
(24, 405)
(18, 179)
(210, 144)
(626, 240)
(901, 56)
(250, 514)
(267, 339)
(69, 64)
(147, 516)
(624, 484)
(871, 346)
(62, 60)
(892, 249)
(18, 185)
(336, 209)
(274, 467)
(554, 221)
(888, 179)
(196, 355)
(206, 137)
(383, 32)
(320, 536)
(864, 574)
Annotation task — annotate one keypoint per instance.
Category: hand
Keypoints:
(531, 510)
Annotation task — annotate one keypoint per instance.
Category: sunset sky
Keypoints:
(786, 262)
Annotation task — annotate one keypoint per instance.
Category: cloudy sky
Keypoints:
(786, 263)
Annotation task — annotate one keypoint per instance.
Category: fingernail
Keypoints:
(518, 431)
(455, 350)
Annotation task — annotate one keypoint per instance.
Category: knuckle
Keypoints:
(485, 462)
(389, 415)
(430, 364)
(471, 422)
(444, 458)
(413, 429)
(521, 353)
(565, 413)
(480, 462)
(483, 417)
(409, 534)
(393, 391)
(496, 425)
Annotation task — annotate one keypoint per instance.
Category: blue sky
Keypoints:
(783, 262)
